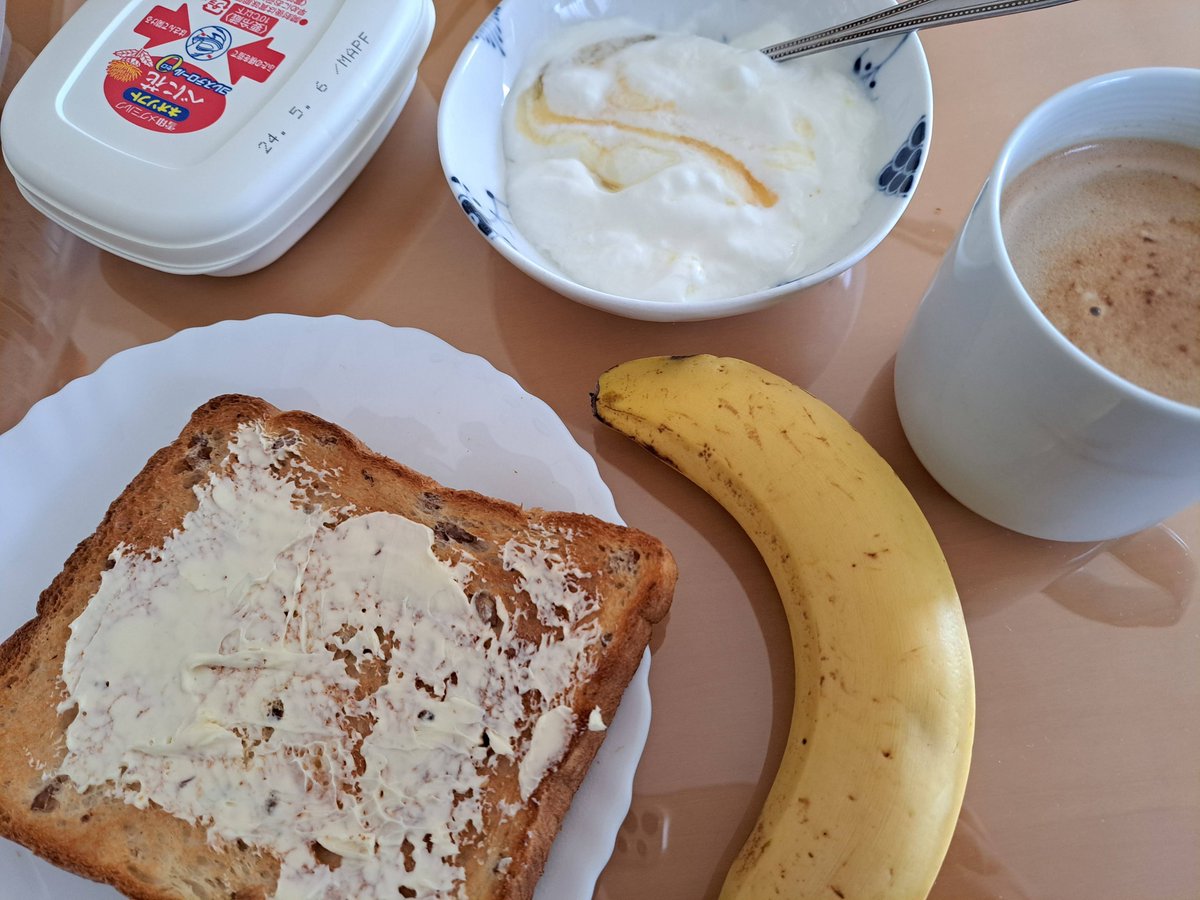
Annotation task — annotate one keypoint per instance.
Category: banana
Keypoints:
(868, 792)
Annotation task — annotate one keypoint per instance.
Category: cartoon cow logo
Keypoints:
(208, 42)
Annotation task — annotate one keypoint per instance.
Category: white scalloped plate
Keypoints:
(404, 392)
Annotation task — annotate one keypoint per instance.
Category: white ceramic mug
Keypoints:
(1008, 415)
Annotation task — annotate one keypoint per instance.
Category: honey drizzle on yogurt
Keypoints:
(535, 118)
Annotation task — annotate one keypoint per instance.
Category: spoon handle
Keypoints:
(907, 15)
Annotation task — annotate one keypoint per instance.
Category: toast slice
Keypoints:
(284, 665)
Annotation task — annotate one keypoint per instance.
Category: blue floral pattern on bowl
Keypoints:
(897, 177)
(493, 225)
(867, 70)
(491, 32)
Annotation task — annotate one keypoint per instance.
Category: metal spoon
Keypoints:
(907, 15)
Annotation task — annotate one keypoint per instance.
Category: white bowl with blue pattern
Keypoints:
(893, 72)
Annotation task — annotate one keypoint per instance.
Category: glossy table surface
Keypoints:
(1085, 780)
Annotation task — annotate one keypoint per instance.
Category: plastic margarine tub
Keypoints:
(207, 136)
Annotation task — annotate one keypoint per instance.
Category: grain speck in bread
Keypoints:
(382, 708)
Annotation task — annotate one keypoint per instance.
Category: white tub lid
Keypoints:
(196, 130)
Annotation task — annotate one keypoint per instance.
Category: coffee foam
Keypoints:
(1106, 239)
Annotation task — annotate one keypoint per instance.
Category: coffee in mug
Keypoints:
(1033, 383)
(1105, 237)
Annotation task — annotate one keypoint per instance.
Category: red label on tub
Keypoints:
(295, 11)
(164, 93)
(247, 19)
(162, 25)
(255, 61)
(205, 48)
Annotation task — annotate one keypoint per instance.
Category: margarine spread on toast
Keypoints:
(287, 673)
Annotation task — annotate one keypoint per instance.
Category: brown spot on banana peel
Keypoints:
(653, 450)
(804, 803)
(754, 848)
(594, 400)
(650, 448)
(600, 407)
(722, 403)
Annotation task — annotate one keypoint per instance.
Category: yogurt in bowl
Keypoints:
(676, 167)
(650, 162)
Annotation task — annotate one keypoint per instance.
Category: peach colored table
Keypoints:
(1086, 774)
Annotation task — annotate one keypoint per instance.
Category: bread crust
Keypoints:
(151, 854)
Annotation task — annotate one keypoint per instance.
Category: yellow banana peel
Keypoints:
(869, 789)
